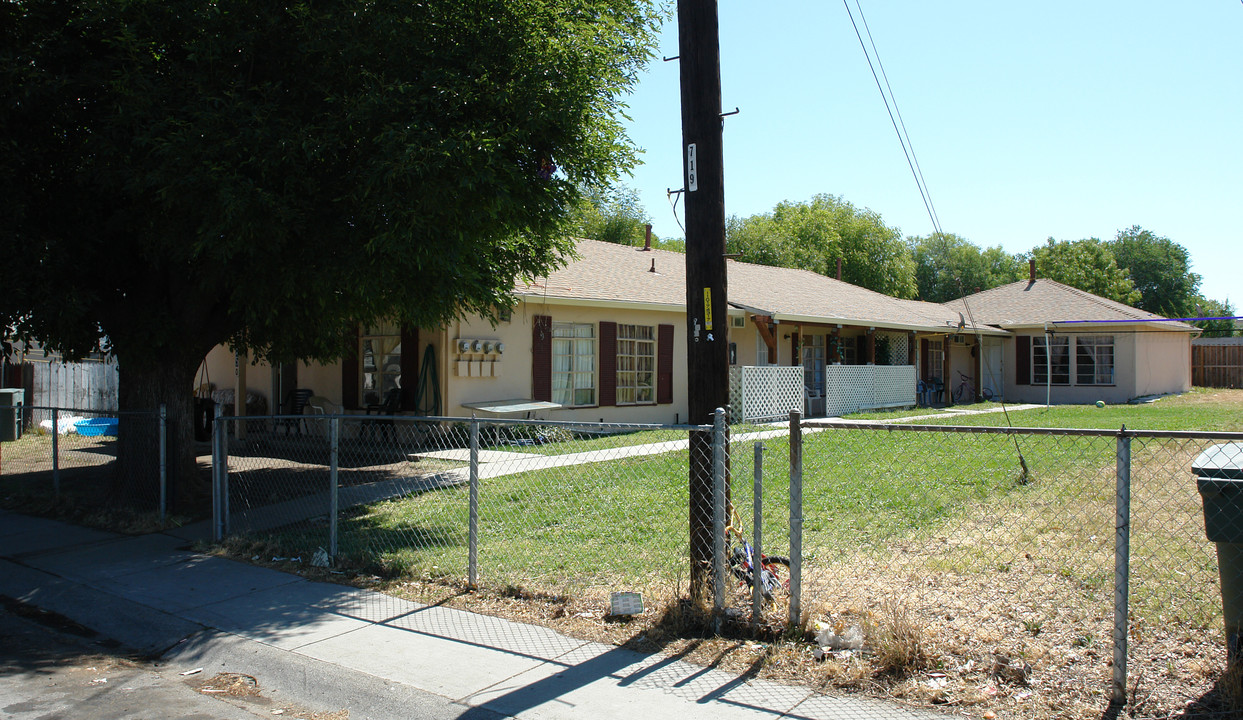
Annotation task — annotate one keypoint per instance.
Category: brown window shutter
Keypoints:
(541, 358)
(664, 364)
(1023, 360)
(608, 364)
(349, 376)
(409, 366)
(923, 358)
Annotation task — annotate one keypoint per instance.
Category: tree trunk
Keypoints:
(145, 385)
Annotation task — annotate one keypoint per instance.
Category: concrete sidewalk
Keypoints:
(334, 647)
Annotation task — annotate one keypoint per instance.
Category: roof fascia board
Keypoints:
(882, 325)
(533, 299)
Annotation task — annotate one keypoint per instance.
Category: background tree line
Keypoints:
(1136, 267)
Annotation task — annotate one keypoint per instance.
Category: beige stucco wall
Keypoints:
(323, 380)
(1147, 361)
(1163, 363)
(515, 380)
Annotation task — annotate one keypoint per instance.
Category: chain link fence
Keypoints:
(1001, 563)
(552, 509)
(66, 460)
(995, 564)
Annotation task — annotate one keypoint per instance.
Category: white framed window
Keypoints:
(574, 364)
(1094, 360)
(379, 352)
(1050, 358)
(636, 364)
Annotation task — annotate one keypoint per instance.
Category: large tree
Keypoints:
(948, 266)
(176, 173)
(610, 214)
(1160, 269)
(1207, 308)
(815, 235)
(1088, 265)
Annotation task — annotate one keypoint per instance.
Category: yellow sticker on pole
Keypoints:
(708, 309)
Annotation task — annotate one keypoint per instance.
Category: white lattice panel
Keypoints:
(767, 392)
(850, 388)
(894, 385)
(847, 388)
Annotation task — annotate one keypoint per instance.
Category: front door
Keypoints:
(991, 377)
(813, 375)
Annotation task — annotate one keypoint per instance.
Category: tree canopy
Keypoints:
(814, 235)
(1088, 265)
(949, 266)
(1207, 308)
(179, 174)
(611, 214)
(1160, 269)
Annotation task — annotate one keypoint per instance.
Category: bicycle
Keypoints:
(966, 388)
(740, 558)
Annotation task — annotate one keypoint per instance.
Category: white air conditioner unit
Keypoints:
(737, 321)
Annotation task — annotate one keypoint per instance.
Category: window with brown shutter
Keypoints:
(664, 364)
(608, 363)
(1022, 360)
(541, 358)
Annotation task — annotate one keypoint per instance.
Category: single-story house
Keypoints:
(604, 338)
(1065, 345)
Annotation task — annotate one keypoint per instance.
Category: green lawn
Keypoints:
(910, 502)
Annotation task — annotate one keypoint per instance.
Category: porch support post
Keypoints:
(947, 396)
(765, 324)
(870, 357)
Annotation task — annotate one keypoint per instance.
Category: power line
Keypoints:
(936, 221)
(923, 193)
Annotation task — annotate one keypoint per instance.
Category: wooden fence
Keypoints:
(87, 385)
(1217, 366)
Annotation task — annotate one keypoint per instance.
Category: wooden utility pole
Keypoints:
(707, 317)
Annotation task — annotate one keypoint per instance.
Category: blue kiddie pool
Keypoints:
(96, 426)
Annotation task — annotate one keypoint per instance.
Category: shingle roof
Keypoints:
(619, 273)
(1027, 303)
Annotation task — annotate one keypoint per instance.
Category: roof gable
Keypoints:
(625, 274)
(1040, 301)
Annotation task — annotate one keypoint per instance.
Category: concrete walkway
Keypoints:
(334, 647)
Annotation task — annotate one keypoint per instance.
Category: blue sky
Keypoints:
(1029, 121)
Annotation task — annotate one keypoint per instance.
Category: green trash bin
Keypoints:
(1219, 478)
(11, 402)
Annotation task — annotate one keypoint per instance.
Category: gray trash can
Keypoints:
(11, 402)
(1219, 478)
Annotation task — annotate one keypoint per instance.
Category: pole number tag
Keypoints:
(692, 169)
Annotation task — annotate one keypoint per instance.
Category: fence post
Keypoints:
(757, 533)
(796, 518)
(1122, 566)
(56, 450)
(163, 462)
(718, 516)
(222, 445)
(217, 508)
(472, 554)
(334, 456)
